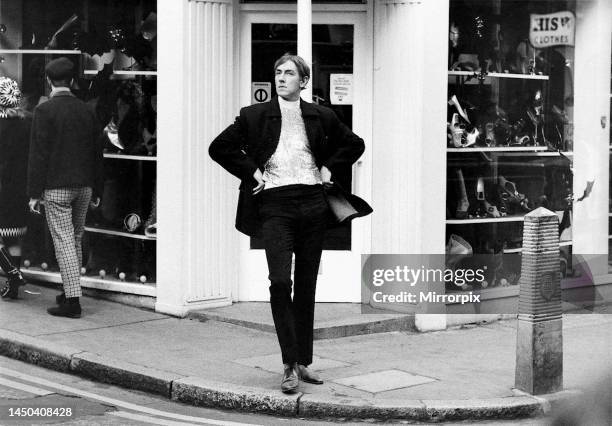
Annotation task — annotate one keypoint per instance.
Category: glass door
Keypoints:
(337, 81)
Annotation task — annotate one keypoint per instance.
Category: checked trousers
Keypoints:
(65, 210)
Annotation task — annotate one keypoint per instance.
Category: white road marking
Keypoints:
(148, 419)
(118, 402)
(24, 387)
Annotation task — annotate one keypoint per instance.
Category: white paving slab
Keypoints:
(274, 363)
(385, 380)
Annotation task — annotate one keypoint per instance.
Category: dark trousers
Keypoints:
(294, 220)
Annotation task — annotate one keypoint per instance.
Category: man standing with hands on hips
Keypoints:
(64, 171)
(285, 153)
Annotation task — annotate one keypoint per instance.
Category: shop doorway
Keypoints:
(339, 52)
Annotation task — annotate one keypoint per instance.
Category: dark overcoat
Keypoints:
(250, 141)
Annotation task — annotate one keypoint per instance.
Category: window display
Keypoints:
(509, 128)
(113, 45)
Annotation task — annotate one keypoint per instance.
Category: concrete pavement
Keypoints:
(462, 373)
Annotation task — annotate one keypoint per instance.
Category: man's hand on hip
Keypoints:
(258, 176)
(326, 176)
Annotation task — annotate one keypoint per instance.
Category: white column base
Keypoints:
(181, 311)
(430, 322)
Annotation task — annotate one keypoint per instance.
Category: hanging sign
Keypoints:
(552, 29)
(261, 91)
(341, 89)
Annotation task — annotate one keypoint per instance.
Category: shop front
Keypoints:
(536, 106)
(474, 113)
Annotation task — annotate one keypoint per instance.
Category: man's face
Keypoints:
(288, 82)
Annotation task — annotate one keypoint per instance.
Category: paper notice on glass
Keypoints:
(341, 89)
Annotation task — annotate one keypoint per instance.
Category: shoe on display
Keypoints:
(112, 133)
(490, 134)
(513, 195)
(471, 137)
(151, 230)
(456, 130)
(455, 102)
(463, 204)
(491, 210)
(458, 246)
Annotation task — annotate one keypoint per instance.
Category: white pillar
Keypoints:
(409, 154)
(591, 139)
(197, 245)
(304, 39)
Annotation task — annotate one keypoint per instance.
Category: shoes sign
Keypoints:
(553, 29)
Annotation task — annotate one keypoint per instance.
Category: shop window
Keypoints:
(113, 45)
(509, 129)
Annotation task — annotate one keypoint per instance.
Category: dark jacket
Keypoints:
(250, 142)
(65, 147)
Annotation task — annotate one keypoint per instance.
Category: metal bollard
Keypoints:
(539, 343)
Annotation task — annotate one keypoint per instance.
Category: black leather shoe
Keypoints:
(290, 381)
(308, 376)
(71, 308)
(60, 298)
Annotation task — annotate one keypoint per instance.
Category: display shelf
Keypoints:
(108, 284)
(520, 249)
(485, 220)
(130, 157)
(124, 72)
(505, 149)
(40, 52)
(541, 154)
(499, 75)
(116, 233)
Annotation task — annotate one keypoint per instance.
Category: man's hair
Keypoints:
(301, 65)
(60, 72)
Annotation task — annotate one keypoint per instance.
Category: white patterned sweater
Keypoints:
(292, 162)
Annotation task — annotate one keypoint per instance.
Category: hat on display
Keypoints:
(10, 96)
(60, 69)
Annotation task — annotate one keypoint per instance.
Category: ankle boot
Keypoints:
(11, 267)
(70, 308)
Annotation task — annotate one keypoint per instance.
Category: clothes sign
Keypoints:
(261, 91)
(341, 89)
(552, 29)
